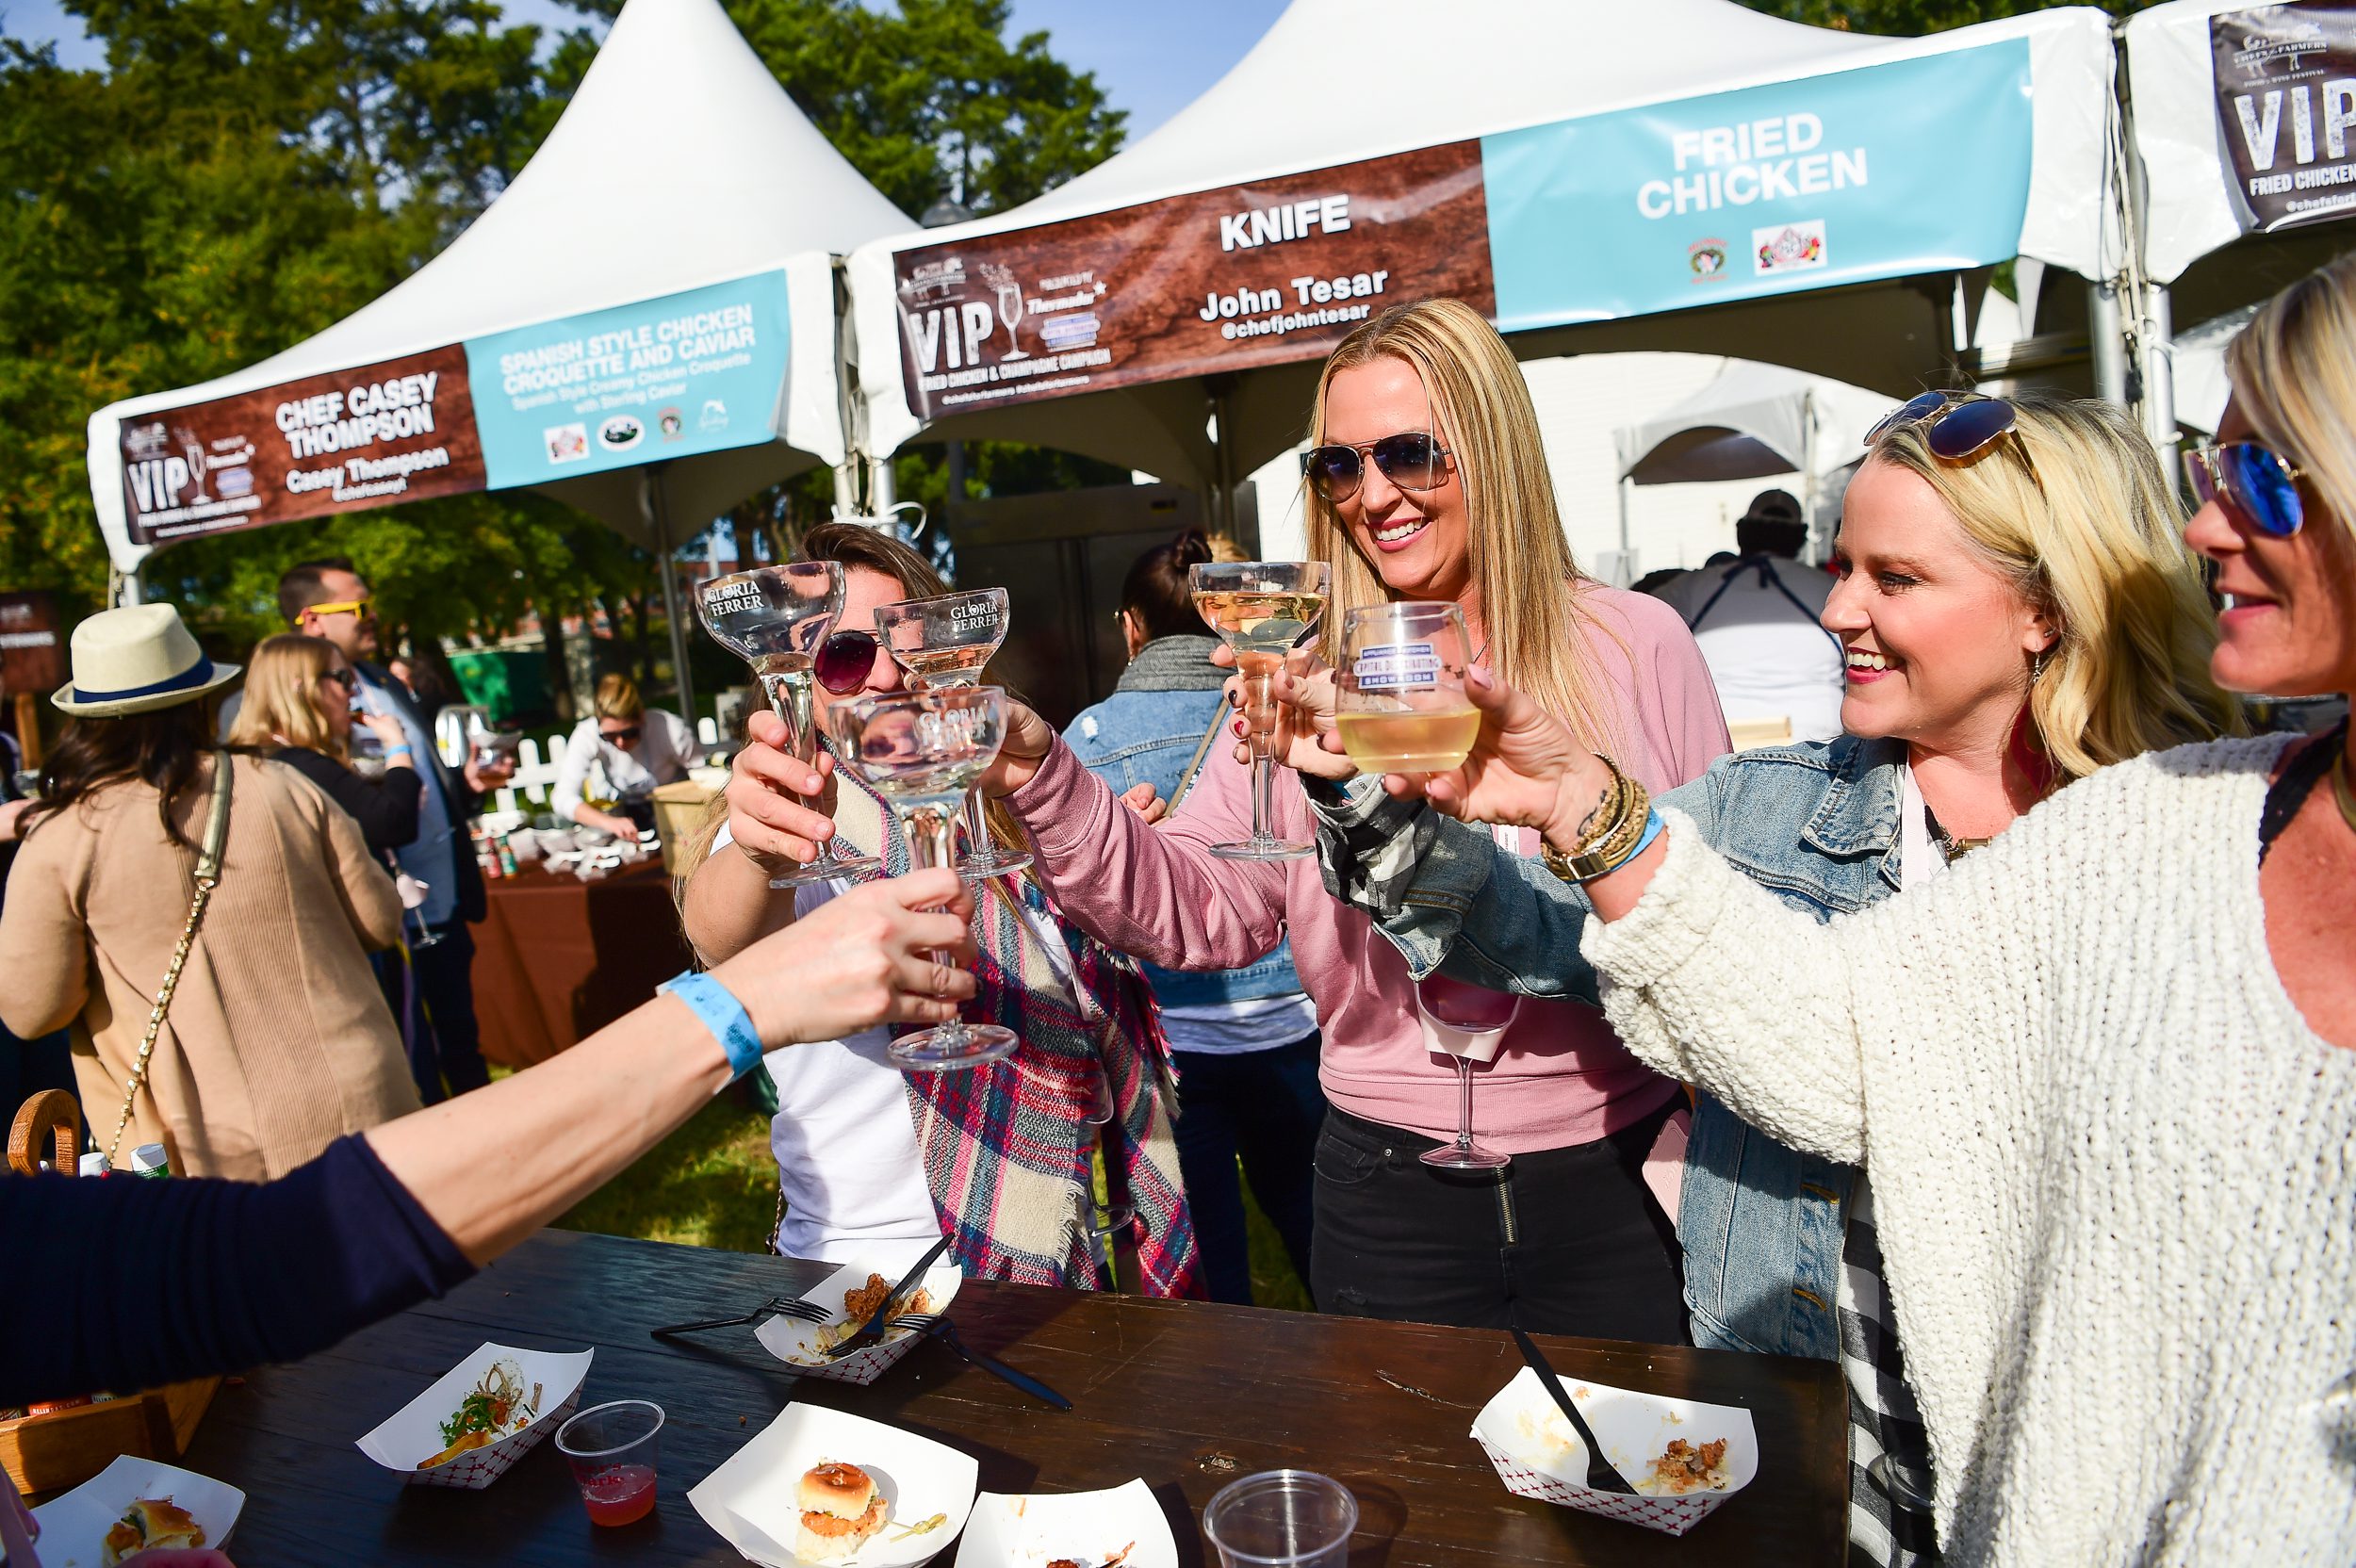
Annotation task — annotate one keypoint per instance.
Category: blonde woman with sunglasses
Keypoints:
(2101, 1074)
(300, 707)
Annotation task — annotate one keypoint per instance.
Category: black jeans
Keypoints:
(444, 1040)
(1264, 1106)
(1570, 1241)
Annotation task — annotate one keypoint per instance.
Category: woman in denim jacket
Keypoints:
(2015, 616)
(1246, 1038)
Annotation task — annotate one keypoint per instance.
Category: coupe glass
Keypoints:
(946, 642)
(1467, 1021)
(774, 618)
(922, 752)
(1263, 609)
(1400, 700)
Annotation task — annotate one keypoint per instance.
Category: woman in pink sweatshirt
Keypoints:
(1572, 1238)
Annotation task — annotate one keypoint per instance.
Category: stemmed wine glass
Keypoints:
(922, 752)
(774, 618)
(1111, 1218)
(1465, 1021)
(1263, 609)
(941, 644)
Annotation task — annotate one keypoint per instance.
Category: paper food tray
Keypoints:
(1030, 1531)
(74, 1526)
(796, 1342)
(1633, 1429)
(753, 1499)
(414, 1432)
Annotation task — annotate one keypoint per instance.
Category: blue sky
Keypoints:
(1153, 59)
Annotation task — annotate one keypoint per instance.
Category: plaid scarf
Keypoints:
(1005, 1153)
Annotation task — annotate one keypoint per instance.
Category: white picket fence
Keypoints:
(533, 787)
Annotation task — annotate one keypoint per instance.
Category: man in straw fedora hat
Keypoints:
(200, 918)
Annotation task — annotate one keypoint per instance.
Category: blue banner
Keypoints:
(692, 373)
(1916, 166)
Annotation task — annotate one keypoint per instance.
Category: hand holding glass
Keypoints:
(774, 618)
(1263, 609)
(946, 642)
(922, 752)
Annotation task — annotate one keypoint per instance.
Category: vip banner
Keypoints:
(2285, 105)
(1916, 166)
(671, 376)
(1219, 280)
(400, 430)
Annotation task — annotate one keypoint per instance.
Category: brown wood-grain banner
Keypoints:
(397, 430)
(1219, 280)
(2287, 110)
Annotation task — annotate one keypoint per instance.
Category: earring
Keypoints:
(2037, 661)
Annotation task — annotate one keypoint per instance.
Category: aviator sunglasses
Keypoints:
(2249, 481)
(843, 660)
(1413, 460)
(1955, 425)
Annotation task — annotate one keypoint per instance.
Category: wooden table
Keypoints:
(557, 958)
(1187, 1395)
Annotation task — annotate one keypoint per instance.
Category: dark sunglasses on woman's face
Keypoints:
(1411, 460)
(345, 679)
(843, 660)
(628, 732)
(2254, 482)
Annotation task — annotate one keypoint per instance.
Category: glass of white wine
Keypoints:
(775, 618)
(922, 752)
(946, 642)
(1263, 609)
(1400, 700)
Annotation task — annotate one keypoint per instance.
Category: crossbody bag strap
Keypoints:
(1194, 764)
(207, 878)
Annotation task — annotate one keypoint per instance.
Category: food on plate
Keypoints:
(149, 1522)
(841, 1509)
(1683, 1467)
(860, 1305)
(1548, 1438)
(1113, 1561)
(496, 1409)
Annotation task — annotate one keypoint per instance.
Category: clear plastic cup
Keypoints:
(611, 1450)
(1281, 1519)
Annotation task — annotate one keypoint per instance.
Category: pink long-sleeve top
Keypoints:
(1561, 1077)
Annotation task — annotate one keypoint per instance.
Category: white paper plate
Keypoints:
(1537, 1455)
(414, 1432)
(798, 1344)
(1032, 1530)
(73, 1528)
(752, 1500)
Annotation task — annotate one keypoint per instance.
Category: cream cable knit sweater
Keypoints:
(2114, 1169)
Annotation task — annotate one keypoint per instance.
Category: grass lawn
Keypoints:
(712, 1184)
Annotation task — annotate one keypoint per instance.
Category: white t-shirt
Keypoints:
(592, 765)
(1768, 656)
(846, 1146)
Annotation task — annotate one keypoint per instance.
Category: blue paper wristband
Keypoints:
(719, 1011)
(1653, 824)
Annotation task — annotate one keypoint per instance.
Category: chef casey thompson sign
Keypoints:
(1217, 280)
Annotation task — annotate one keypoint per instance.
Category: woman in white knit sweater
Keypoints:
(2103, 1073)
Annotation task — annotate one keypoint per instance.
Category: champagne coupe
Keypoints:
(1262, 608)
(774, 618)
(1466, 1022)
(941, 644)
(922, 752)
(1399, 696)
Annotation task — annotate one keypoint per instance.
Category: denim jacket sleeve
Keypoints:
(1449, 899)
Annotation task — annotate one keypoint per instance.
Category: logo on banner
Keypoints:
(566, 443)
(621, 432)
(1787, 247)
(1706, 260)
(671, 423)
(715, 416)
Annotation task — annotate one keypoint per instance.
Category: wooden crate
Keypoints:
(66, 1447)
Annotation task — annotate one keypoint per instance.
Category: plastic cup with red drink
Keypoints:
(611, 1450)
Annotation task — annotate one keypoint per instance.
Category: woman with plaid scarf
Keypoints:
(873, 1162)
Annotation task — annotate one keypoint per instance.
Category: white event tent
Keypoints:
(1487, 66)
(679, 163)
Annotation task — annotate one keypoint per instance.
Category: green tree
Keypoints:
(1913, 18)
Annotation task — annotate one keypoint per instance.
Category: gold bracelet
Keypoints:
(1610, 832)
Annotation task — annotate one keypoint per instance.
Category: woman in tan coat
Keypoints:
(277, 1041)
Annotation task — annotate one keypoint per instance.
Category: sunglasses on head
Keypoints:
(2254, 482)
(1411, 460)
(843, 660)
(1956, 426)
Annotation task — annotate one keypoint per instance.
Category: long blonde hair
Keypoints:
(2077, 514)
(281, 696)
(1533, 598)
(2293, 371)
